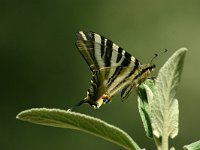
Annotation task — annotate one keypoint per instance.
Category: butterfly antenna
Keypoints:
(156, 55)
(77, 105)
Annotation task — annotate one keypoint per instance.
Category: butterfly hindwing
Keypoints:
(108, 80)
(127, 90)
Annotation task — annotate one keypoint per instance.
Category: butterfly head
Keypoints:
(144, 72)
(147, 68)
(151, 67)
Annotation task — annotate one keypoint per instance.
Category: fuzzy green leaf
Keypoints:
(164, 106)
(193, 146)
(144, 95)
(73, 120)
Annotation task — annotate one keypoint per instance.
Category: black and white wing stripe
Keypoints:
(100, 52)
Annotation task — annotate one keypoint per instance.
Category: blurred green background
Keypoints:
(41, 67)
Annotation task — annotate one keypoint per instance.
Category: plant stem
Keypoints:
(158, 143)
(161, 144)
(165, 142)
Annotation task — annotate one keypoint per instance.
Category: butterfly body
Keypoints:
(113, 69)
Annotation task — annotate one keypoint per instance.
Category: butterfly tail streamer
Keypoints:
(77, 105)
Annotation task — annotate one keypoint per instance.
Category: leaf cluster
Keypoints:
(157, 106)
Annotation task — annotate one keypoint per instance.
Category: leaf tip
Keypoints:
(22, 115)
(183, 49)
(19, 115)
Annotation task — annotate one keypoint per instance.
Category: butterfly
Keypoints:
(113, 69)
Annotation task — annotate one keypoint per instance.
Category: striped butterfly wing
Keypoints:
(111, 66)
(100, 52)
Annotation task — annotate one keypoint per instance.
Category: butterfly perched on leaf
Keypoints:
(113, 69)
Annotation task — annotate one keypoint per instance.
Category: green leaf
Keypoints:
(144, 95)
(193, 146)
(164, 106)
(73, 120)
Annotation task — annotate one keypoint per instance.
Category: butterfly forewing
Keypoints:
(102, 52)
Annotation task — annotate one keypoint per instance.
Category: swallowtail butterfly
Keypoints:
(113, 69)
